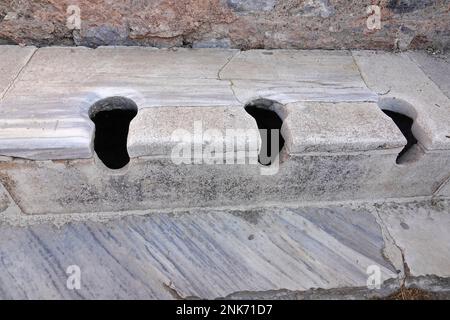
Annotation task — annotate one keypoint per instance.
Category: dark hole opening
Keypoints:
(112, 119)
(270, 121)
(404, 123)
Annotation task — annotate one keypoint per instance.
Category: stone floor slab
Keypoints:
(437, 67)
(421, 232)
(205, 253)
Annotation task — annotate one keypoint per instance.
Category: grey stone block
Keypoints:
(158, 131)
(339, 127)
(338, 144)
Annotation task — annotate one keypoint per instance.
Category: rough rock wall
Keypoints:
(330, 24)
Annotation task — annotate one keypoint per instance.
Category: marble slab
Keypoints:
(158, 131)
(315, 66)
(296, 75)
(339, 127)
(421, 232)
(12, 61)
(205, 254)
(437, 67)
(293, 91)
(75, 65)
(404, 87)
(45, 115)
(59, 128)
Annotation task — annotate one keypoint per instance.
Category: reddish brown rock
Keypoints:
(229, 23)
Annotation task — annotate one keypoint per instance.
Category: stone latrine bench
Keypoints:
(84, 130)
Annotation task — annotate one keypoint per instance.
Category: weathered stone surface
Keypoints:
(292, 91)
(68, 81)
(403, 87)
(158, 182)
(202, 253)
(438, 285)
(4, 201)
(157, 131)
(296, 75)
(444, 189)
(236, 23)
(13, 59)
(422, 235)
(292, 65)
(339, 127)
(436, 67)
(65, 64)
(319, 162)
(282, 252)
(248, 6)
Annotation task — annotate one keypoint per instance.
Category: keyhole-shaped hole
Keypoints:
(404, 123)
(269, 124)
(112, 117)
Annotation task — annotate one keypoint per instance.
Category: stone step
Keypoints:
(190, 120)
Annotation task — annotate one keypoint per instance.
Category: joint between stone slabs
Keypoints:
(14, 216)
(360, 73)
(389, 244)
(16, 77)
(234, 92)
(226, 64)
(12, 207)
(387, 288)
(411, 58)
(441, 186)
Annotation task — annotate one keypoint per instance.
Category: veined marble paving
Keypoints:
(206, 254)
